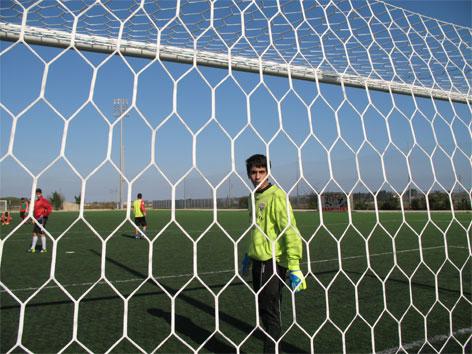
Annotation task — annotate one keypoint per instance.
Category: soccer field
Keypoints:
(371, 287)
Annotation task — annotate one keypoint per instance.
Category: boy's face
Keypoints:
(258, 177)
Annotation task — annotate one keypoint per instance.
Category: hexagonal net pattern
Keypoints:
(362, 108)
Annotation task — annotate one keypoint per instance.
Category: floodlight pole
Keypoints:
(120, 105)
(185, 197)
(409, 197)
(229, 193)
(298, 194)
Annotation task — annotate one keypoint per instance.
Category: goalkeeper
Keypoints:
(41, 212)
(271, 218)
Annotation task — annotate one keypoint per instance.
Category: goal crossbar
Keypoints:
(62, 39)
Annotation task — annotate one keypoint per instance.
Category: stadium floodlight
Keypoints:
(372, 103)
(120, 105)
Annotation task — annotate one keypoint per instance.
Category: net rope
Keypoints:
(370, 44)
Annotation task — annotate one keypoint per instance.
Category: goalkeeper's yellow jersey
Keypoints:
(272, 218)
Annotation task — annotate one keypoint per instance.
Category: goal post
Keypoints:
(362, 108)
(3, 205)
(62, 39)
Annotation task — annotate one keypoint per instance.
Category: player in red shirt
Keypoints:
(41, 212)
(6, 218)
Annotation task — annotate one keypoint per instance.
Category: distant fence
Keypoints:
(207, 203)
(335, 201)
(301, 202)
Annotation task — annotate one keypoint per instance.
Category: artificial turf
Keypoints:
(374, 283)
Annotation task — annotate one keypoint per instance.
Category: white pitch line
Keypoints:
(213, 272)
(419, 343)
(101, 233)
(121, 281)
(386, 253)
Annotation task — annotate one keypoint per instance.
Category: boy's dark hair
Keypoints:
(256, 160)
(140, 195)
(38, 190)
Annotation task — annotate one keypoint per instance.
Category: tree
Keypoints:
(77, 198)
(388, 201)
(418, 203)
(360, 205)
(313, 201)
(439, 201)
(57, 200)
(464, 204)
(243, 203)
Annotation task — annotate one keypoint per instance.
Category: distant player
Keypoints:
(41, 212)
(6, 218)
(24, 208)
(139, 215)
(272, 218)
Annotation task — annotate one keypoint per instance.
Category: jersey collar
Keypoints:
(263, 190)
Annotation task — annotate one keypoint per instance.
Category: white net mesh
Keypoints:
(363, 108)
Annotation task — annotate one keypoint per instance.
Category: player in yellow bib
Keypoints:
(139, 215)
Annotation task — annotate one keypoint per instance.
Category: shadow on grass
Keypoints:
(191, 330)
(200, 334)
(194, 332)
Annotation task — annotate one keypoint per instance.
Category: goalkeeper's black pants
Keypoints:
(269, 299)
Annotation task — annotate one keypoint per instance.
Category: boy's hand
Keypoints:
(297, 280)
(245, 264)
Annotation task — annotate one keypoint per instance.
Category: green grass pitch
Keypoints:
(372, 285)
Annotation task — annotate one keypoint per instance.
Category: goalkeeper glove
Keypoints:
(246, 263)
(297, 280)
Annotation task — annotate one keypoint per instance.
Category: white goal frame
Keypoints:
(395, 64)
(3, 205)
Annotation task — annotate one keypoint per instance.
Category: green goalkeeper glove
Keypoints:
(297, 280)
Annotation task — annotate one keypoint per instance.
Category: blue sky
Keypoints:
(458, 12)
(39, 131)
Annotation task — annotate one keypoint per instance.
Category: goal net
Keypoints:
(362, 108)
